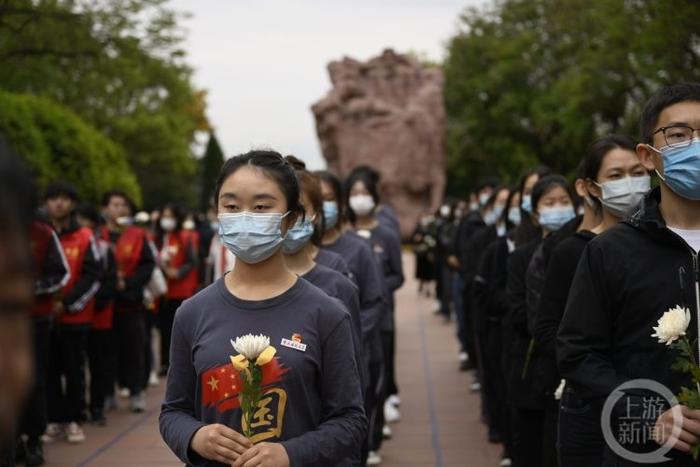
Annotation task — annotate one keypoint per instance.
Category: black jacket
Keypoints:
(626, 279)
(519, 379)
(563, 262)
(490, 281)
(466, 229)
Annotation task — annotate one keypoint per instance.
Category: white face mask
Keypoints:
(621, 197)
(167, 224)
(445, 211)
(361, 204)
(188, 225)
(484, 198)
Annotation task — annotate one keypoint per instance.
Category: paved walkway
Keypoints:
(440, 418)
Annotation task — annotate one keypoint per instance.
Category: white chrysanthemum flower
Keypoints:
(560, 390)
(672, 325)
(251, 346)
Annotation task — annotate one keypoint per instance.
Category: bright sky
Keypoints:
(264, 61)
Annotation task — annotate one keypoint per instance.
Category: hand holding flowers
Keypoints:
(671, 331)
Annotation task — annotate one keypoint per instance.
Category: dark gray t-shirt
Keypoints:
(312, 400)
(366, 273)
(333, 261)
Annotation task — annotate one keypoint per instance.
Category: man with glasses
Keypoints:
(629, 277)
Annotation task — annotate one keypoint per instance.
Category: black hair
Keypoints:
(61, 188)
(487, 182)
(89, 212)
(591, 163)
(492, 199)
(337, 187)
(665, 97)
(273, 165)
(179, 214)
(545, 184)
(527, 230)
(504, 215)
(369, 181)
(369, 171)
(108, 195)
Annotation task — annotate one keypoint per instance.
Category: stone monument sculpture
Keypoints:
(387, 113)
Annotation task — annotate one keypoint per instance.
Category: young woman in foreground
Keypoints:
(311, 412)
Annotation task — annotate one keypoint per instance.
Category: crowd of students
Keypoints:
(108, 277)
(556, 287)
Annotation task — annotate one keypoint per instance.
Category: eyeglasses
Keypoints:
(677, 136)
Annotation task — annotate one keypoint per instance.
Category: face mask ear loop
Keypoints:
(660, 153)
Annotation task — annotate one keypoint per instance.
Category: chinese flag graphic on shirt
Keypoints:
(221, 385)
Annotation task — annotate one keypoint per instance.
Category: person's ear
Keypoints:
(290, 220)
(580, 187)
(650, 159)
(593, 189)
(535, 218)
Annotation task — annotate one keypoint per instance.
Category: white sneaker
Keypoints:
(138, 402)
(463, 357)
(124, 393)
(475, 386)
(374, 458)
(386, 432)
(394, 399)
(391, 413)
(54, 432)
(153, 379)
(505, 462)
(75, 433)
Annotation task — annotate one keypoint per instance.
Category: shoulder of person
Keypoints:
(329, 310)
(193, 307)
(617, 240)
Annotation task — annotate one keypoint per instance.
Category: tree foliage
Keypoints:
(535, 81)
(210, 166)
(118, 64)
(57, 144)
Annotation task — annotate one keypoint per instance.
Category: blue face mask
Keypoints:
(298, 236)
(330, 213)
(682, 169)
(252, 238)
(554, 219)
(492, 217)
(527, 204)
(514, 215)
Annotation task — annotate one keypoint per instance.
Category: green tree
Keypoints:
(209, 167)
(535, 81)
(119, 65)
(57, 144)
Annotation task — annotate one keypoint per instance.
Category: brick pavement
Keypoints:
(440, 418)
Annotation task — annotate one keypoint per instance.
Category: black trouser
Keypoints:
(374, 403)
(580, 439)
(67, 360)
(102, 364)
(130, 336)
(166, 315)
(35, 414)
(149, 356)
(468, 319)
(531, 446)
(494, 383)
(389, 349)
